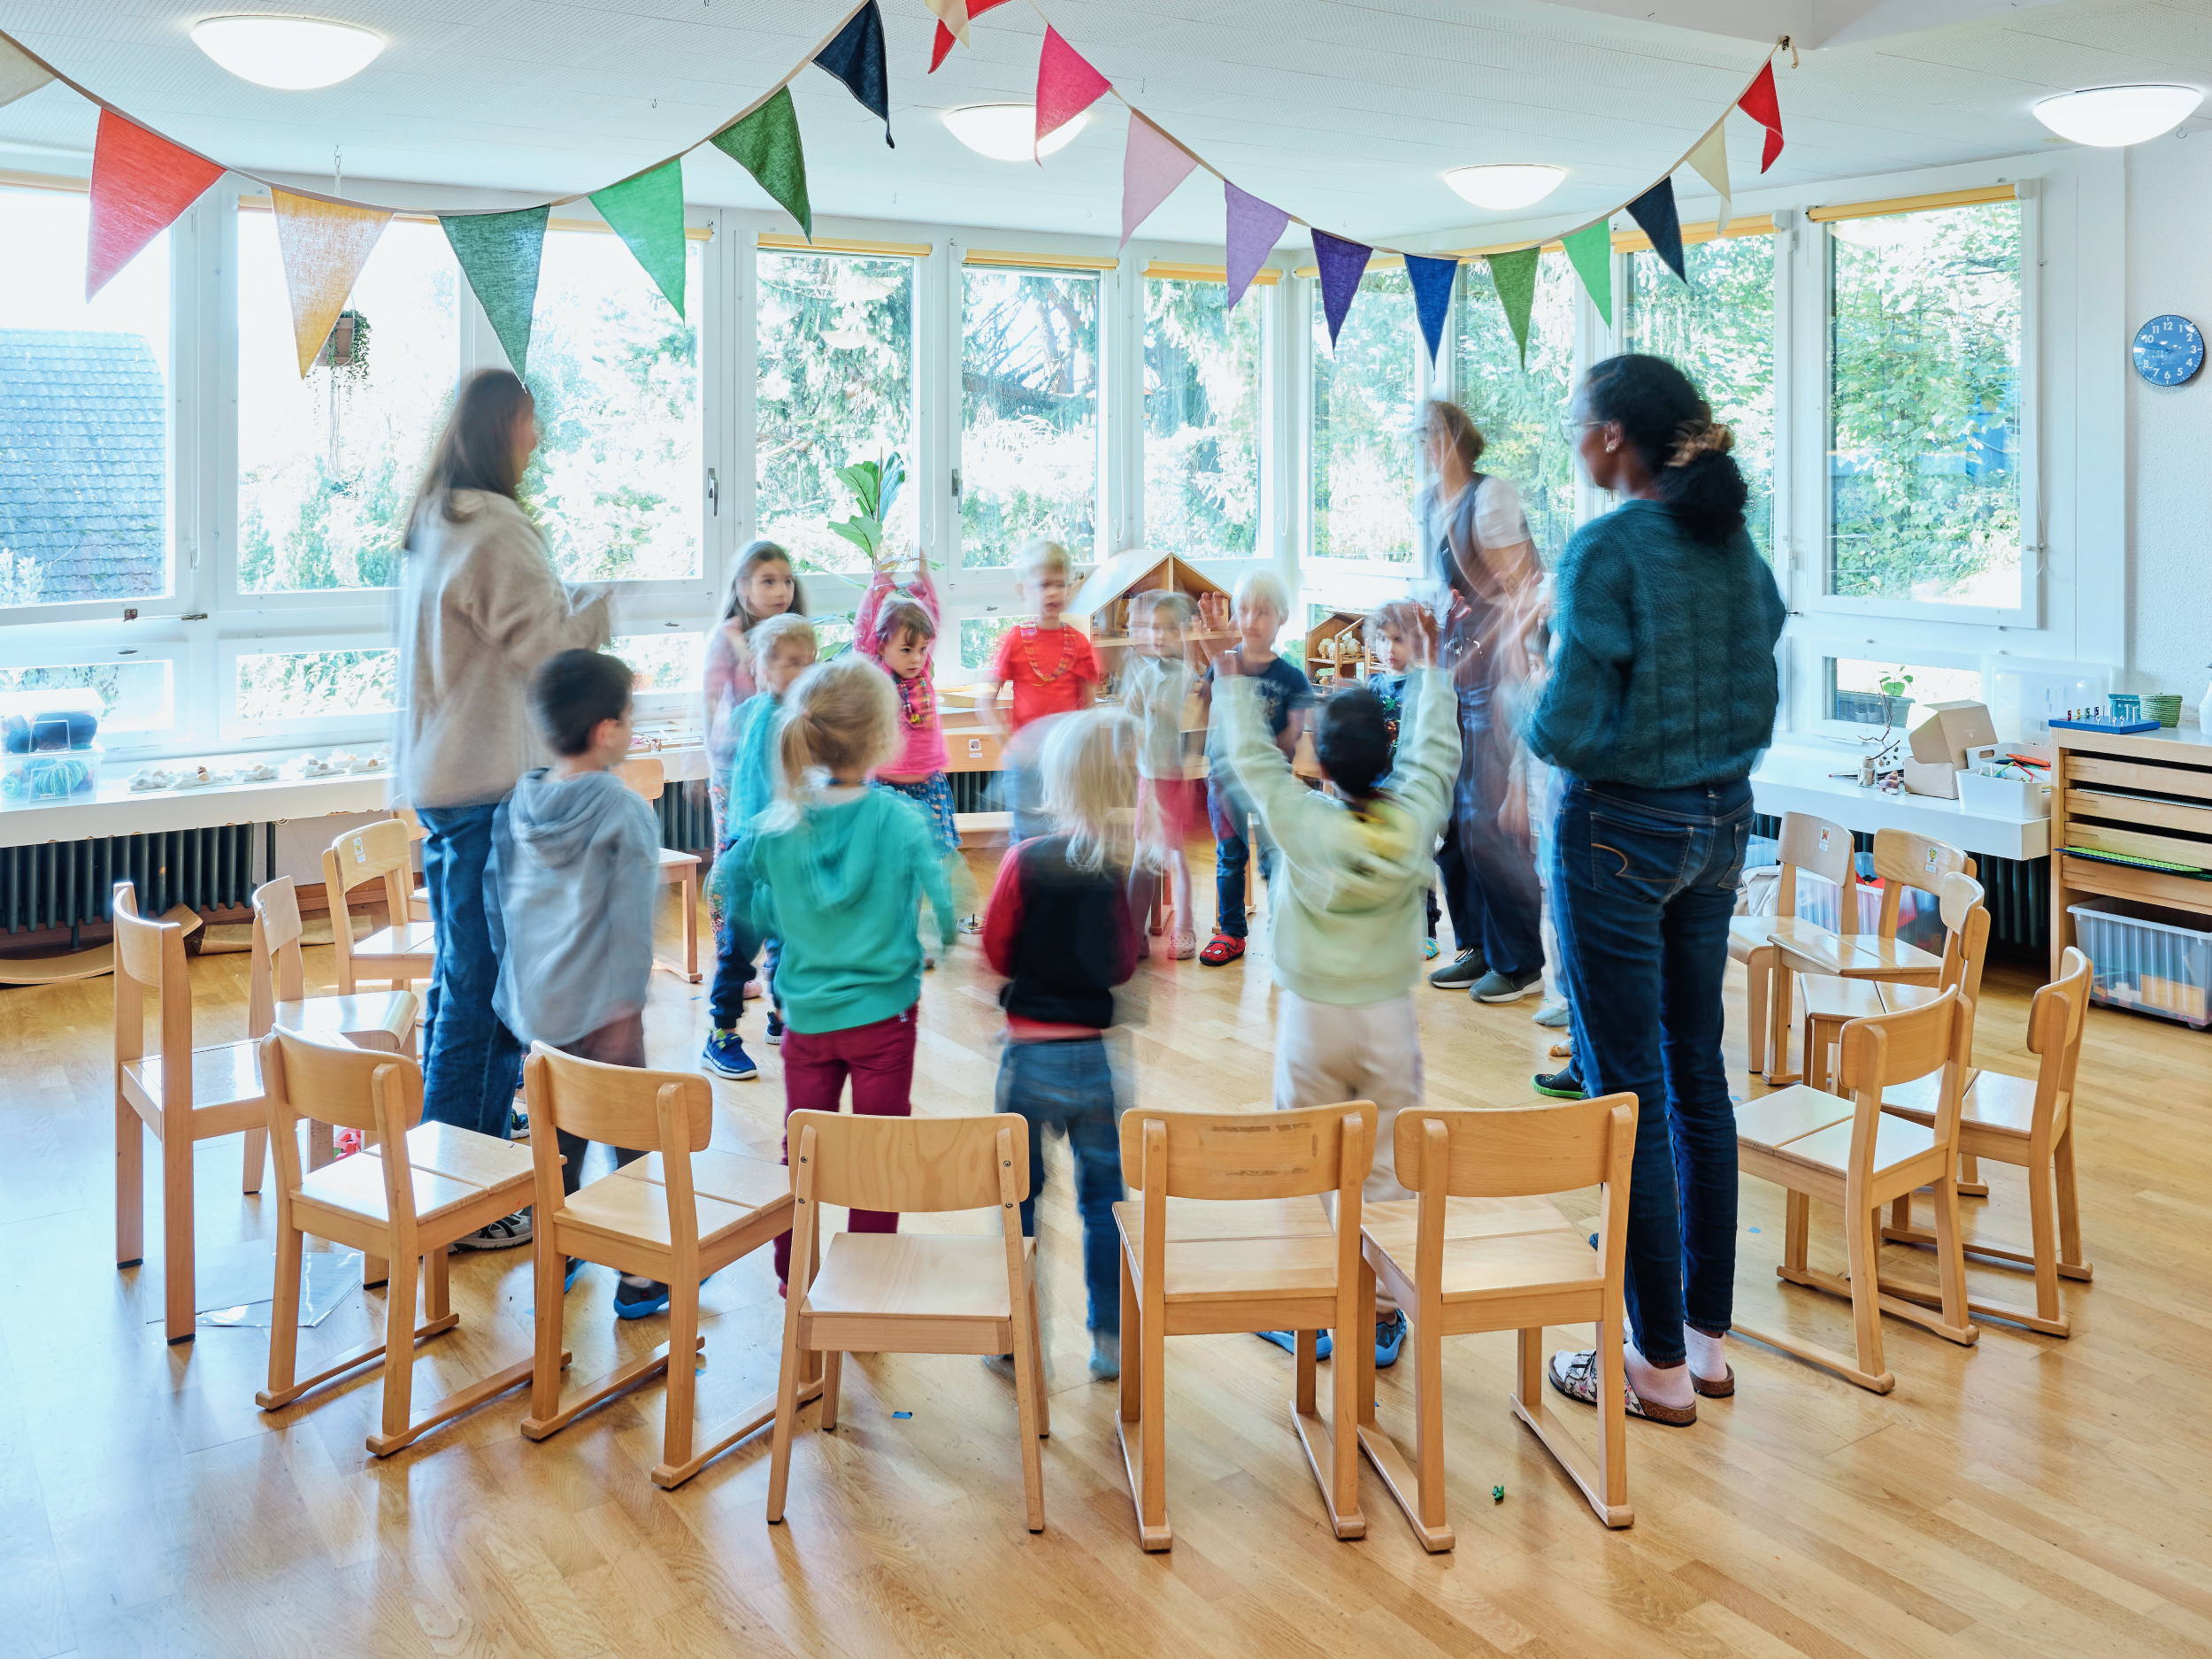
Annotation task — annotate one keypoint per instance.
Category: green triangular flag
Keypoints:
(1591, 248)
(648, 212)
(1514, 276)
(500, 253)
(767, 144)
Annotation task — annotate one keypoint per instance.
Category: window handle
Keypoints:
(714, 495)
(956, 480)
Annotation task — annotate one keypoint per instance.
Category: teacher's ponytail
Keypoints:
(1673, 429)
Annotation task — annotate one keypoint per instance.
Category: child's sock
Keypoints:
(637, 1281)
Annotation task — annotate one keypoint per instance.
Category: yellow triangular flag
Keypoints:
(325, 245)
(20, 74)
(1710, 158)
(954, 15)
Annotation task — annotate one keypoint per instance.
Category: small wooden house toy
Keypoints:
(1336, 650)
(1102, 604)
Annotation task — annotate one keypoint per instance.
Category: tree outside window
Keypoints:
(1029, 412)
(1363, 477)
(1525, 414)
(1202, 420)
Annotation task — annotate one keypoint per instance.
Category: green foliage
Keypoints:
(315, 684)
(876, 490)
(1364, 474)
(1896, 684)
(1202, 420)
(1029, 412)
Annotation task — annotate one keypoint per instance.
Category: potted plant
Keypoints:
(1896, 687)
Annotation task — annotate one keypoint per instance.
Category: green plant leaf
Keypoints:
(862, 533)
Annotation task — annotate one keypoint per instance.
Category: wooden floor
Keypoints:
(2029, 1496)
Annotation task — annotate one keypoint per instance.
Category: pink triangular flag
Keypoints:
(1066, 85)
(1151, 168)
(1255, 227)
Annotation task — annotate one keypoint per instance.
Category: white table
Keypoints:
(1796, 780)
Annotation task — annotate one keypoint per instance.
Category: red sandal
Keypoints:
(1222, 947)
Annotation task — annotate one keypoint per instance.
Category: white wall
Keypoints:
(2169, 427)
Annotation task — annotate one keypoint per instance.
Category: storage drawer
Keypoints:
(2092, 769)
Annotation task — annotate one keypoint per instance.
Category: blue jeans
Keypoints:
(469, 1077)
(1642, 885)
(1232, 815)
(1489, 875)
(1069, 1086)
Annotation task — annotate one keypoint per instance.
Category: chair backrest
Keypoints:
(277, 970)
(1523, 1151)
(382, 851)
(1885, 1049)
(1901, 860)
(644, 773)
(1825, 849)
(329, 1080)
(2056, 1018)
(668, 1112)
(917, 1165)
(1965, 935)
(150, 956)
(1248, 1154)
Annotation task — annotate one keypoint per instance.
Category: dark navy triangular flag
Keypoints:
(1342, 265)
(1654, 212)
(856, 57)
(1431, 281)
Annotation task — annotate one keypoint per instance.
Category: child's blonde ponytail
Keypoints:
(838, 716)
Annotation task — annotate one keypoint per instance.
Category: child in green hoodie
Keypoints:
(836, 871)
(1346, 907)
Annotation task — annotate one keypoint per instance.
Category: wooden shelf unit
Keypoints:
(2147, 795)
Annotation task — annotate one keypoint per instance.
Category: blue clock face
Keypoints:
(2169, 349)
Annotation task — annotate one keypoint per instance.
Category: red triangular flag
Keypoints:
(943, 45)
(1066, 85)
(140, 182)
(1762, 106)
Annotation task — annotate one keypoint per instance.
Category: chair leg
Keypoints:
(1951, 1260)
(1781, 984)
(2043, 1230)
(1796, 1228)
(1428, 1415)
(1037, 1361)
(130, 1184)
(176, 1228)
(1758, 969)
(436, 1290)
(256, 1155)
(399, 1349)
(1866, 1292)
(682, 1390)
(1612, 1413)
(1306, 1349)
(1025, 1392)
(284, 1314)
(691, 925)
(833, 1374)
(2071, 1264)
(545, 1375)
(1970, 1183)
(1132, 1353)
(1152, 1513)
(786, 1417)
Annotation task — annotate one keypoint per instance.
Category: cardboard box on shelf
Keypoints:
(1940, 744)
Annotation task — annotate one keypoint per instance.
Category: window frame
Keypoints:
(234, 731)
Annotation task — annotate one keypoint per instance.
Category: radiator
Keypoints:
(975, 792)
(2016, 891)
(66, 884)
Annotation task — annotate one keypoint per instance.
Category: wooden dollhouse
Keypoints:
(1337, 653)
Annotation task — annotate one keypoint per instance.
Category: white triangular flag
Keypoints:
(1710, 158)
(19, 75)
(953, 14)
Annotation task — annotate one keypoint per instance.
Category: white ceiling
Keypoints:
(1343, 113)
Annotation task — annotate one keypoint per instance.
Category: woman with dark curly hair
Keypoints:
(1659, 698)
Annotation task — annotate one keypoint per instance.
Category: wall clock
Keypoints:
(2169, 349)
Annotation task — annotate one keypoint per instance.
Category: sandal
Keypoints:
(1720, 1390)
(1222, 947)
(1575, 1376)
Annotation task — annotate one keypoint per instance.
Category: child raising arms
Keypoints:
(897, 630)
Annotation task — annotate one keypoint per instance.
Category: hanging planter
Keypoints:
(347, 351)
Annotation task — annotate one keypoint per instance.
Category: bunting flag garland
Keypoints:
(1255, 227)
(20, 74)
(952, 17)
(1762, 104)
(856, 57)
(767, 144)
(941, 44)
(1151, 167)
(140, 182)
(1590, 251)
(1431, 281)
(1514, 277)
(500, 253)
(1342, 264)
(1654, 211)
(648, 213)
(1710, 158)
(1066, 86)
(324, 244)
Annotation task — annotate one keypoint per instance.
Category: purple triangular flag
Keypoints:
(1342, 265)
(1431, 281)
(1255, 229)
(1654, 213)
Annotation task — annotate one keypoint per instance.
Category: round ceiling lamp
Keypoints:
(1513, 184)
(1008, 132)
(2108, 117)
(291, 54)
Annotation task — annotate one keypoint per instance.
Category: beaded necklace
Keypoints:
(918, 698)
(1029, 651)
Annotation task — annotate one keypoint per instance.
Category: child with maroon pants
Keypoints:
(837, 870)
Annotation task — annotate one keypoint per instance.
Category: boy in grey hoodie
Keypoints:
(576, 852)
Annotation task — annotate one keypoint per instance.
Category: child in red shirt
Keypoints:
(1050, 665)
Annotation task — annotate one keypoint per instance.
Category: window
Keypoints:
(669, 661)
(1883, 694)
(836, 388)
(1028, 412)
(978, 640)
(286, 686)
(1720, 328)
(1924, 407)
(328, 464)
(136, 696)
(1202, 414)
(619, 471)
(1525, 414)
(84, 422)
(1363, 477)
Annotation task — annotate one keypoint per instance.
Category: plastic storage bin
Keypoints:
(42, 722)
(60, 774)
(2155, 961)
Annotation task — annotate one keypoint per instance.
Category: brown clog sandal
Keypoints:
(1575, 1376)
(1719, 1390)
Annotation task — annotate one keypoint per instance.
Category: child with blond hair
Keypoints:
(1050, 665)
(836, 871)
(1156, 683)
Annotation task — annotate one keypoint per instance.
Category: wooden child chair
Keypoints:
(1481, 1249)
(277, 998)
(403, 951)
(678, 1215)
(1852, 1153)
(419, 1189)
(1831, 1002)
(419, 899)
(1230, 1234)
(1817, 847)
(903, 1293)
(2028, 1122)
(183, 1095)
(648, 777)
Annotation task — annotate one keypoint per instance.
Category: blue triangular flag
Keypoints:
(1654, 213)
(1342, 265)
(856, 57)
(1431, 281)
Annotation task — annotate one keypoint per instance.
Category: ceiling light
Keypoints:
(2108, 117)
(1513, 185)
(292, 54)
(1008, 132)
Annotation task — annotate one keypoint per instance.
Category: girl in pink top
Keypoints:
(898, 629)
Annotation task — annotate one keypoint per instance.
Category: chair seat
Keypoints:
(452, 1168)
(912, 1276)
(1809, 947)
(1995, 1101)
(414, 939)
(1555, 1258)
(1896, 1140)
(618, 1207)
(1880, 958)
(368, 1014)
(1775, 1120)
(733, 1178)
(228, 1074)
(1272, 1267)
(1828, 997)
(1748, 934)
(675, 866)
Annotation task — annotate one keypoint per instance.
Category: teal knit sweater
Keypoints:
(1663, 674)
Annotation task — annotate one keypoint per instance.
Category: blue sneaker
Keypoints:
(636, 1302)
(576, 1265)
(1390, 1336)
(725, 1056)
(1287, 1341)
